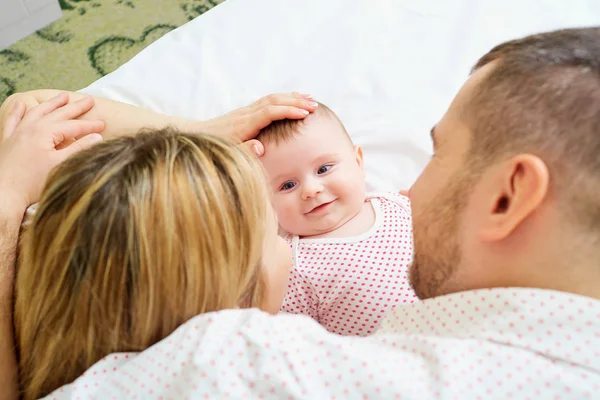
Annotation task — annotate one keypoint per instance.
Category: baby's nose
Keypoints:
(311, 189)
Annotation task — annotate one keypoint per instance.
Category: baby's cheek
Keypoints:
(354, 185)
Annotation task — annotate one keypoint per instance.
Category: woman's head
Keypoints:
(132, 238)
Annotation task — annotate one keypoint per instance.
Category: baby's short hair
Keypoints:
(286, 129)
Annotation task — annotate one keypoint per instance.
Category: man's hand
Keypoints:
(246, 122)
(37, 140)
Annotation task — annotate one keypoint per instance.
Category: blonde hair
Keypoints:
(132, 238)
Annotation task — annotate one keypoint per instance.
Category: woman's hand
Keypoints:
(246, 122)
(123, 119)
(32, 145)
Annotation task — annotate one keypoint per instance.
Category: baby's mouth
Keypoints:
(320, 207)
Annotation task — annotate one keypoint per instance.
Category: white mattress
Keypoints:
(389, 68)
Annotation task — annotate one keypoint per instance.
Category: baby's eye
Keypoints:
(324, 169)
(287, 186)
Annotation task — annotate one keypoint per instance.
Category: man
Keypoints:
(506, 230)
(512, 194)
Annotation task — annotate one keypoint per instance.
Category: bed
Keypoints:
(388, 68)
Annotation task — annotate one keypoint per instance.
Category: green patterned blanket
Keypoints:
(92, 39)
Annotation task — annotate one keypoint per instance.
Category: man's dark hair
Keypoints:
(542, 97)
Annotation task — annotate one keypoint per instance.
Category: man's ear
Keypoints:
(359, 157)
(519, 188)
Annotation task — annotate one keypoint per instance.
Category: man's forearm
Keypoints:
(120, 118)
(10, 220)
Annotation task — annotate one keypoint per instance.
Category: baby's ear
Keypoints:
(358, 152)
(255, 147)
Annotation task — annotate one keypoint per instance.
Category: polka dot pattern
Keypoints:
(501, 343)
(347, 285)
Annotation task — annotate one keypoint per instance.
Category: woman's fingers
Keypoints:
(79, 145)
(251, 124)
(303, 95)
(13, 119)
(46, 107)
(264, 116)
(300, 101)
(246, 122)
(72, 110)
(75, 128)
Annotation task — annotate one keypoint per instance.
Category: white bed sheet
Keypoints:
(389, 68)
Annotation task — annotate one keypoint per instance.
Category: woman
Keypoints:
(34, 126)
(131, 239)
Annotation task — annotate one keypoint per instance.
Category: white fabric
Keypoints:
(388, 68)
(348, 284)
(489, 344)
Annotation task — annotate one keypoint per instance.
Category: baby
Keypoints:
(351, 249)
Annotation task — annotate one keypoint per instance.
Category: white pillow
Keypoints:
(388, 68)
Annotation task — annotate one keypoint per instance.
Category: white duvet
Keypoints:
(389, 68)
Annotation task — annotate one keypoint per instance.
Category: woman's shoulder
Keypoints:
(207, 342)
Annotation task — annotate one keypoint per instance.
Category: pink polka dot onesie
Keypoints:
(348, 284)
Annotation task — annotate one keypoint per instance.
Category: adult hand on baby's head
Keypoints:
(246, 122)
(33, 141)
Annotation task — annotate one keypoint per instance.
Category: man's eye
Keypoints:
(324, 169)
(288, 186)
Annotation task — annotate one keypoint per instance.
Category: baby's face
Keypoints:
(317, 178)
